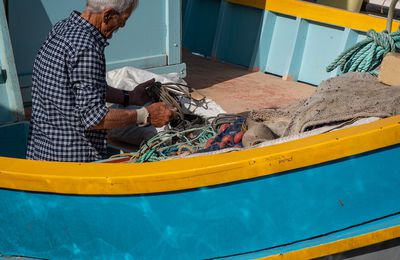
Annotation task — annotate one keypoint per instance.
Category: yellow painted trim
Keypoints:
(320, 13)
(340, 245)
(183, 174)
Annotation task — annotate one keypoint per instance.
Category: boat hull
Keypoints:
(224, 220)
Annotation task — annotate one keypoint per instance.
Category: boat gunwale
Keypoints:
(196, 172)
(320, 13)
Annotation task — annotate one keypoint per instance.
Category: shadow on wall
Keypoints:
(4, 114)
(221, 35)
(13, 137)
(27, 34)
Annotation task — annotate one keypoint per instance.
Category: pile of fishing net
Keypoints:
(337, 102)
(223, 131)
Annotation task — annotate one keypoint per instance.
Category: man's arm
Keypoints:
(159, 115)
(117, 118)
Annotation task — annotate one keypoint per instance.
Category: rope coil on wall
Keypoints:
(366, 56)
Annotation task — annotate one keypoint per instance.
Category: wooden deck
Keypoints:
(237, 89)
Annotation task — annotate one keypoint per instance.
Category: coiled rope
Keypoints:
(172, 94)
(171, 143)
(367, 55)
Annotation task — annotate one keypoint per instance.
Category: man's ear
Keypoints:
(107, 14)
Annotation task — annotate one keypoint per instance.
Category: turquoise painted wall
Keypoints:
(11, 107)
(200, 19)
(238, 34)
(14, 140)
(278, 56)
(261, 40)
(151, 38)
(143, 38)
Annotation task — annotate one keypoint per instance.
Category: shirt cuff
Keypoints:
(94, 116)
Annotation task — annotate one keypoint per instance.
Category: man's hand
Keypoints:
(160, 114)
(139, 95)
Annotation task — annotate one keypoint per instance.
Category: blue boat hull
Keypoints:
(225, 220)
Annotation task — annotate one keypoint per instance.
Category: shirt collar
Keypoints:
(77, 19)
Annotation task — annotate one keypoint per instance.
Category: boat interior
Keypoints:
(328, 191)
(217, 76)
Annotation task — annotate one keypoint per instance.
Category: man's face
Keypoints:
(112, 21)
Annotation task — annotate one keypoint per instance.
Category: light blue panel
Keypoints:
(178, 68)
(149, 62)
(263, 45)
(13, 140)
(174, 29)
(144, 36)
(204, 223)
(297, 50)
(11, 106)
(239, 34)
(200, 24)
(349, 38)
(283, 38)
(323, 45)
(361, 36)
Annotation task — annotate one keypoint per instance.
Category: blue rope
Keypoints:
(366, 56)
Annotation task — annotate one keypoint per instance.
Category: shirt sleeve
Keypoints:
(87, 76)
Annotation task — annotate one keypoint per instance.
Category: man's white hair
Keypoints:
(96, 6)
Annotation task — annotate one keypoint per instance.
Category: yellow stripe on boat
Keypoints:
(320, 13)
(339, 246)
(183, 174)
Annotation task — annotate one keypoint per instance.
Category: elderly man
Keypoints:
(69, 93)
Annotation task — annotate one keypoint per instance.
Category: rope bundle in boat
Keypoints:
(367, 55)
(169, 143)
(172, 143)
(173, 94)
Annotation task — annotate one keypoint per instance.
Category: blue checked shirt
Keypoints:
(68, 94)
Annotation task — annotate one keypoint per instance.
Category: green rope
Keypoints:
(168, 143)
(366, 56)
(171, 142)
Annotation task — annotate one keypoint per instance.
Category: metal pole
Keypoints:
(392, 9)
